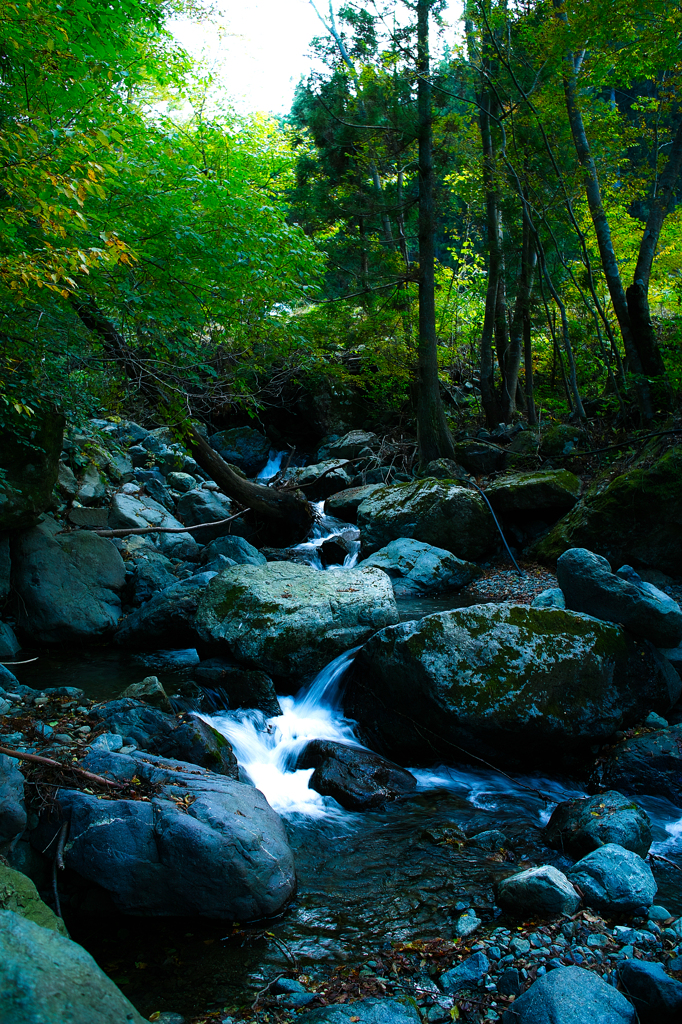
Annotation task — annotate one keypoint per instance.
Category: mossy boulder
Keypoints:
(561, 439)
(480, 457)
(635, 518)
(437, 512)
(523, 452)
(19, 894)
(289, 619)
(545, 489)
(533, 686)
(245, 447)
(29, 468)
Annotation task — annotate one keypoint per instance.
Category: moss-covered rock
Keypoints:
(480, 457)
(561, 439)
(244, 447)
(523, 452)
(532, 685)
(634, 518)
(19, 894)
(291, 619)
(437, 512)
(543, 489)
(29, 470)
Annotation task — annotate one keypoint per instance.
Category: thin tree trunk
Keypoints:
(433, 433)
(529, 383)
(495, 265)
(512, 358)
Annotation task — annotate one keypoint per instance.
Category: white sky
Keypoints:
(258, 49)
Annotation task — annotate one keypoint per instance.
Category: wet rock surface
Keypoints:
(582, 825)
(357, 779)
(417, 568)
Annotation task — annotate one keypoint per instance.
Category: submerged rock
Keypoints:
(291, 619)
(417, 568)
(433, 511)
(614, 879)
(358, 779)
(533, 684)
(586, 823)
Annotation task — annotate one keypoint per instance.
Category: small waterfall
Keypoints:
(325, 529)
(272, 466)
(267, 749)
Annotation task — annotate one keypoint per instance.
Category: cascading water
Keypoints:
(328, 528)
(272, 466)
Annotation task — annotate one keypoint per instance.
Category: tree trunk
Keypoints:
(512, 357)
(433, 433)
(489, 399)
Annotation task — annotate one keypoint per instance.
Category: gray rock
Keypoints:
(129, 511)
(235, 548)
(434, 511)
(243, 687)
(443, 469)
(358, 779)
(66, 481)
(67, 584)
(352, 444)
(9, 645)
(47, 978)
(149, 691)
(531, 684)
(290, 619)
(466, 924)
(543, 891)
(465, 975)
(344, 504)
(243, 447)
(152, 574)
(201, 506)
(179, 661)
(656, 996)
(168, 617)
(584, 824)
(570, 995)
(367, 1011)
(479, 457)
(417, 568)
(491, 839)
(224, 854)
(92, 518)
(674, 656)
(107, 741)
(156, 488)
(321, 480)
(614, 879)
(92, 486)
(181, 481)
(590, 586)
(546, 489)
(12, 808)
(551, 598)
(651, 763)
(19, 894)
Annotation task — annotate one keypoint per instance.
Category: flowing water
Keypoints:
(326, 529)
(272, 466)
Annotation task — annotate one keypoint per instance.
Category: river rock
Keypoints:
(291, 619)
(152, 574)
(586, 823)
(570, 995)
(168, 617)
(350, 446)
(364, 1011)
(222, 854)
(358, 779)
(19, 894)
(674, 656)
(30, 466)
(656, 996)
(538, 892)
(634, 518)
(47, 978)
(589, 586)
(202, 506)
(12, 809)
(185, 737)
(243, 447)
(149, 691)
(417, 568)
(128, 511)
(480, 458)
(528, 683)
(242, 687)
(651, 763)
(443, 469)
(614, 879)
(465, 975)
(433, 511)
(235, 548)
(344, 504)
(67, 585)
(92, 487)
(321, 480)
(9, 645)
(553, 597)
(555, 490)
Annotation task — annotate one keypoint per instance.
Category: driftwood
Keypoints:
(290, 506)
(50, 763)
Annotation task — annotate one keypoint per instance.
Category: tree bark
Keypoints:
(433, 433)
(512, 356)
(491, 406)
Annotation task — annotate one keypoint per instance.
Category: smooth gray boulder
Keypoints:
(543, 892)
(650, 763)
(418, 568)
(67, 585)
(586, 823)
(614, 879)
(291, 619)
(236, 548)
(570, 995)
(344, 504)
(200, 506)
(129, 511)
(168, 618)
(437, 512)
(656, 996)
(12, 808)
(358, 779)
(204, 845)
(46, 978)
(532, 684)
(465, 975)
(553, 597)
(545, 489)
(590, 586)
(350, 446)
(243, 447)
(321, 480)
(364, 1011)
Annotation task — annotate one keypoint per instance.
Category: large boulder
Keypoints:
(204, 844)
(553, 490)
(614, 879)
(417, 568)
(656, 996)
(358, 779)
(350, 446)
(634, 518)
(291, 619)
(12, 808)
(235, 548)
(651, 763)
(344, 505)
(538, 892)
(437, 512)
(168, 617)
(200, 506)
(28, 470)
(364, 1011)
(570, 995)
(127, 511)
(46, 978)
(480, 457)
(322, 479)
(533, 684)
(243, 447)
(19, 894)
(589, 586)
(239, 687)
(579, 826)
(67, 585)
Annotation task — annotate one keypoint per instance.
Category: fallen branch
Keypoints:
(37, 759)
(657, 856)
(27, 662)
(162, 529)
